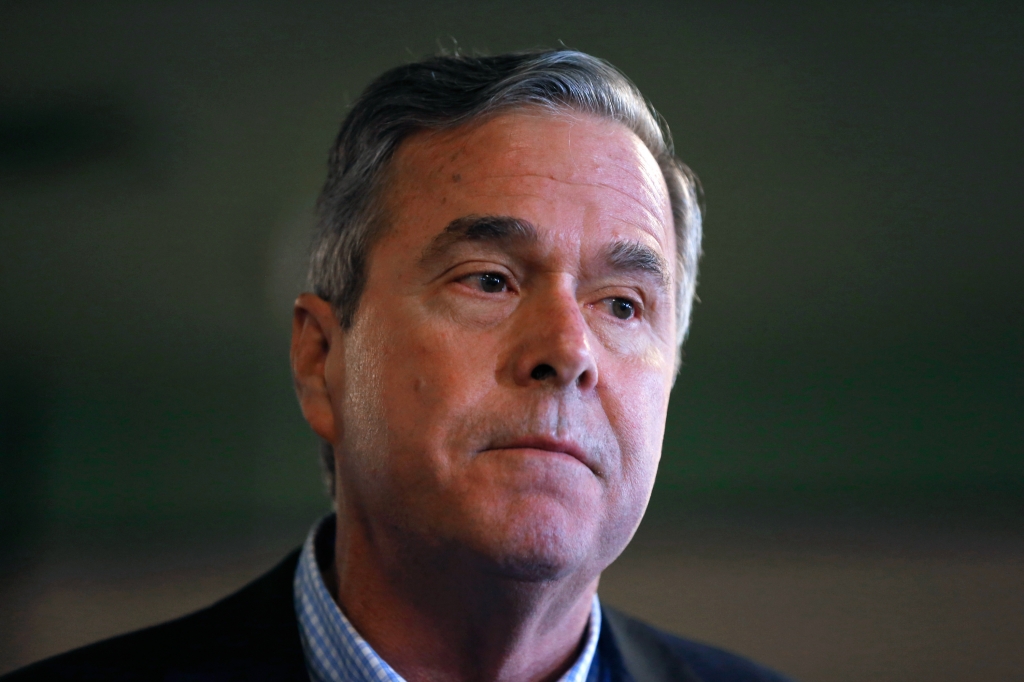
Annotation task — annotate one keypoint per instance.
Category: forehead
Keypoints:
(572, 175)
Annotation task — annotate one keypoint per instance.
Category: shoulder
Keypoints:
(653, 655)
(251, 634)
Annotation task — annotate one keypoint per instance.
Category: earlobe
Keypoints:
(316, 336)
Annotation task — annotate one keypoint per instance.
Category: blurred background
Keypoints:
(842, 488)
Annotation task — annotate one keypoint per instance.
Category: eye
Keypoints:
(488, 282)
(622, 308)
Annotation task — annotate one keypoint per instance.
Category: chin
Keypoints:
(528, 569)
(537, 541)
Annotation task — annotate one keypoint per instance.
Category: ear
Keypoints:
(316, 336)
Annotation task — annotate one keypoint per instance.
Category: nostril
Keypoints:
(541, 372)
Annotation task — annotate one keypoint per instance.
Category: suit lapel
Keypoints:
(632, 655)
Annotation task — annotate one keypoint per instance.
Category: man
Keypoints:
(502, 277)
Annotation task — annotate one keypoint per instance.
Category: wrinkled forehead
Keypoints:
(537, 154)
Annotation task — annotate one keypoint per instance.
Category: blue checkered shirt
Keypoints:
(335, 652)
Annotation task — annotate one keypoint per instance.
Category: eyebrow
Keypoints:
(622, 256)
(495, 229)
(636, 257)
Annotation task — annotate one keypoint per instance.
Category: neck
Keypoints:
(446, 616)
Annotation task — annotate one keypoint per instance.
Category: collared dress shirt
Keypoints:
(336, 652)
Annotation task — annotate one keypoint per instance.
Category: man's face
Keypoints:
(503, 388)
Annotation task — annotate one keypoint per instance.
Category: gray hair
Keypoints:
(445, 92)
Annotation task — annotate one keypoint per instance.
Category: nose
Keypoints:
(553, 343)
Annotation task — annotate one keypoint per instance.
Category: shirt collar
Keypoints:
(336, 652)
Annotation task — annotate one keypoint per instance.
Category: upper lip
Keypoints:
(569, 447)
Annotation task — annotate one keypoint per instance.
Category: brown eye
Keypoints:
(622, 309)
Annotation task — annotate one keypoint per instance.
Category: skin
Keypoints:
(498, 405)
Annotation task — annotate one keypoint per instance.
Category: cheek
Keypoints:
(362, 411)
(634, 399)
(393, 403)
(636, 404)
(431, 376)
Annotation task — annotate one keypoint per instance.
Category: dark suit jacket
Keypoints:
(254, 635)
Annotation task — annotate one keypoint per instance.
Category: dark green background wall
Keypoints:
(858, 345)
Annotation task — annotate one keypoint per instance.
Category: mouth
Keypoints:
(555, 446)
